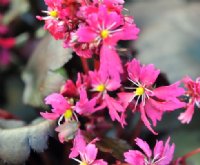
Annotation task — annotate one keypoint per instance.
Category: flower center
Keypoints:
(68, 114)
(53, 13)
(101, 88)
(139, 91)
(104, 34)
(83, 163)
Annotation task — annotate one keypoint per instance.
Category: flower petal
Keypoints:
(144, 146)
(134, 157)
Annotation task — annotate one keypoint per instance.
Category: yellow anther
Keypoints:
(139, 91)
(83, 163)
(53, 13)
(104, 34)
(100, 88)
(68, 114)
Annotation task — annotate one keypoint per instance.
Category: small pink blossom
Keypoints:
(84, 106)
(102, 84)
(59, 106)
(87, 152)
(106, 27)
(193, 92)
(161, 155)
(53, 23)
(150, 101)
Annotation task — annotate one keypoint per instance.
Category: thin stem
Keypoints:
(138, 129)
(96, 64)
(85, 65)
(194, 152)
(182, 160)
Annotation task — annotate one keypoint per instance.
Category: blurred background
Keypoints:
(169, 38)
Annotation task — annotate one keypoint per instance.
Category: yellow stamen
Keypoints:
(100, 88)
(53, 13)
(68, 114)
(104, 34)
(139, 91)
(83, 163)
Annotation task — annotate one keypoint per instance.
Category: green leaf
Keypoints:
(17, 140)
(41, 75)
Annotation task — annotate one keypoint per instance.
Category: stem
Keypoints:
(96, 64)
(85, 65)
(182, 160)
(138, 129)
(194, 152)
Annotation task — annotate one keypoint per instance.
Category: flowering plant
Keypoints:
(93, 29)
(108, 109)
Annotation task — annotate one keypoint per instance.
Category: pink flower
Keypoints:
(87, 152)
(102, 84)
(60, 106)
(53, 23)
(84, 106)
(106, 27)
(103, 29)
(193, 92)
(162, 154)
(151, 102)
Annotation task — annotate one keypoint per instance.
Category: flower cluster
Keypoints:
(150, 101)
(93, 28)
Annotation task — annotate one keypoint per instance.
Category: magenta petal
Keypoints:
(169, 92)
(168, 105)
(85, 106)
(133, 69)
(110, 59)
(58, 102)
(113, 85)
(86, 34)
(149, 74)
(125, 98)
(114, 108)
(134, 157)
(50, 116)
(144, 146)
(91, 152)
(145, 120)
(153, 113)
(186, 116)
(129, 32)
(167, 154)
(78, 145)
(158, 149)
